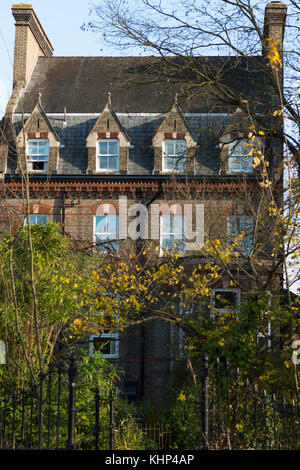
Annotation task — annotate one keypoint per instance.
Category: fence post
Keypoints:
(23, 394)
(97, 417)
(51, 367)
(111, 421)
(40, 410)
(204, 402)
(6, 400)
(72, 373)
(14, 405)
(60, 371)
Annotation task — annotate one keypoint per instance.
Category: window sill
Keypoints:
(240, 172)
(107, 171)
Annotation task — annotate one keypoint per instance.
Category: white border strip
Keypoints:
(125, 114)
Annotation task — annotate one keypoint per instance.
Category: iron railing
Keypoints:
(45, 416)
(231, 412)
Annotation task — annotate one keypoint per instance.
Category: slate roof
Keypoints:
(137, 84)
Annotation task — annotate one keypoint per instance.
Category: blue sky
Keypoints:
(61, 20)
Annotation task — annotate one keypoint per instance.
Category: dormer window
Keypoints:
(238, 159)
(108, 157)
(174, 155)
(38, 154)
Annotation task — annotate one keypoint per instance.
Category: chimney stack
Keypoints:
(275, 16)
(31, 42)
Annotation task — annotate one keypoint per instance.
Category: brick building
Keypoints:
(92, 129)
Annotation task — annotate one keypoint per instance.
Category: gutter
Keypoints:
(129, 178)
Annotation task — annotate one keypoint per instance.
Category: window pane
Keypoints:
(32, 147)
(37, 219)
(236, 224)
(38, 147)
(176, 225)
(104, 162)
(103, 345)
(246, 163)
(103, 148)
(180, 147)
(43, 147)
(39, 158)
(174, 163)
(175, 147)
(240, 163)
(234, 163)
(238, 157)
(170, 163)
(101, 224)
(42, 219)
(174, 155)
(171, 243)
(239, 147)
(172, 231)
(113, 163)
(107, 227)
(106, 343)
(109, 147)
(165, 226)
(173, 224)
(108, 155)
(180, 164)
(169, 147)
(112, 221)
(113, 148)
(225, 299)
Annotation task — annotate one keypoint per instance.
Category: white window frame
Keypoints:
(108, 155)
(36, 223)
(175, 156)
(223, 289)
(109, 336)
(113, 240)
(39, 158)
(162, 235)
(232, 153)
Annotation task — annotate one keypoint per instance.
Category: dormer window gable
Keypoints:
(174, 144)
(237, 152)
(38, 144)
(108, 144)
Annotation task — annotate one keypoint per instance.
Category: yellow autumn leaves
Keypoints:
(255, 151)
(273, 54)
